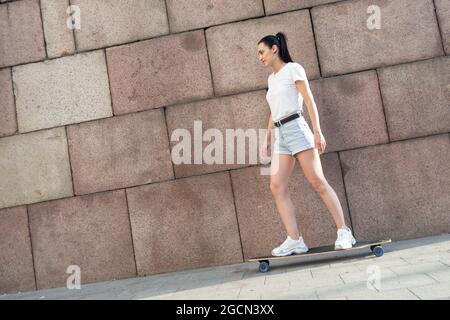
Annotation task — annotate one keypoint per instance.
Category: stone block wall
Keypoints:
(87, 115)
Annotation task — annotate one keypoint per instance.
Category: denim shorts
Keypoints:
(293, 136)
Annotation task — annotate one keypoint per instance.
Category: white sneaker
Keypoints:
(345, 239)
(290, 246)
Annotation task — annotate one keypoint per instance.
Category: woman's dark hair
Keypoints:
(279, 40)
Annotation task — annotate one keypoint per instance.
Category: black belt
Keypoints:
(284, 120)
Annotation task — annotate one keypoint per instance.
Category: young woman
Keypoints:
(295, 140)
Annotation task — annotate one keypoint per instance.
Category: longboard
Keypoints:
(375, 247)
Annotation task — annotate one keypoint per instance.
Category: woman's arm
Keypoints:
(270, 126)
(303, 88)
(319, 139)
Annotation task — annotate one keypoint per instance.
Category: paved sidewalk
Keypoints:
(410, 269)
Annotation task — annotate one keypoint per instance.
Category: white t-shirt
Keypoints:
(282, 95)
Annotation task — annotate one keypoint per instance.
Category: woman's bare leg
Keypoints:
(281, 169)
(312, 168)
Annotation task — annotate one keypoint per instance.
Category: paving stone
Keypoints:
(338, 290)
(365, 274)
(360, 291)
(345, 270)
(317, 282)
(437, 270)
(192, 284)
(405, 281)
(420, 257)
(289, 295)
(381, 263)
(397, 294)
(433, 291)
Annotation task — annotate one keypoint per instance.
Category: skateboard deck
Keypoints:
(375, 247)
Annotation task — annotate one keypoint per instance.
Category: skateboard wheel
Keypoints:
(264, 266)
(378, 251)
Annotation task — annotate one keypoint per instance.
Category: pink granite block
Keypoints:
(260, 224)
(399, 190)
(350, 111)
(193, 14)
(62, 91)
(348, 40)
(416, 98)
(443, 14)
(157, 72)
(59, 38)
(277, 6)
(34, 167)
(110, 22)
(248, 112)
(119, 152)
(184, 224)
(91, 232)
(21, 35)
(233, 50)
(16, 260)
(8, 121)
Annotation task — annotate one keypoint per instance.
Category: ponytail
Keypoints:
(280, 40)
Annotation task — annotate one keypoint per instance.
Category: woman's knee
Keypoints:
(278, 187)
(319, 185)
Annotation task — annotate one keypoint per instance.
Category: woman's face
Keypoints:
(267, 55)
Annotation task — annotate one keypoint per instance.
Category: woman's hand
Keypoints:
(319, 141)
(263, 151)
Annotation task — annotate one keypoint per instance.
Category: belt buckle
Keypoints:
(279, 122)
